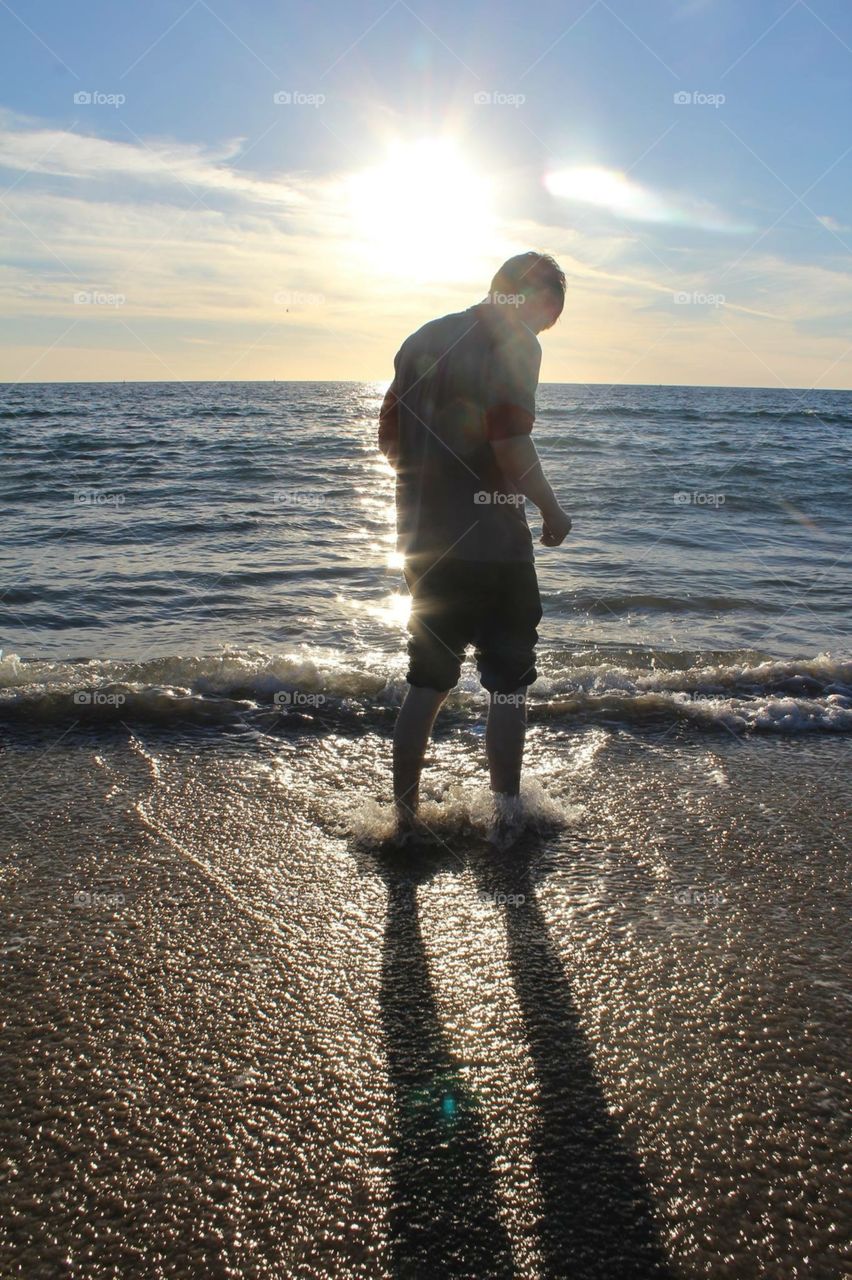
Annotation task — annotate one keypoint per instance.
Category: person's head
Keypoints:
(534, 284)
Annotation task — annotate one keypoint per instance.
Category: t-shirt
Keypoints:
(461, 382)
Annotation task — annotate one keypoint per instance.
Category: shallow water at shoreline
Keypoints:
(242, 1044)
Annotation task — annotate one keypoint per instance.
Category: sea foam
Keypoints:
(323, 689)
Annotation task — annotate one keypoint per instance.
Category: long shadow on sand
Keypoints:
(595, 1212)
(443, 1211)
(596, 1218)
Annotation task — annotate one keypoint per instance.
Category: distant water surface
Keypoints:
(153, 522)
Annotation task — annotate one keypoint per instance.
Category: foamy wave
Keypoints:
(463, 811)
(769, 695)
(219, 687)
(781, 715)
(325, 689)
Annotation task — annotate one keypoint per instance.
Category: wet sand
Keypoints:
(238, 1042)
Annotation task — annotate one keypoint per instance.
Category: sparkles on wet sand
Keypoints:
(245, 1038)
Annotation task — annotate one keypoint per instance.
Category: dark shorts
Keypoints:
(492, 605)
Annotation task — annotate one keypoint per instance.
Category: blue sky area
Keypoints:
(269, 190)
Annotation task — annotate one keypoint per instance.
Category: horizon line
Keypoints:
(187, 382)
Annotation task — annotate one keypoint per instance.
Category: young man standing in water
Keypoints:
(455, 426)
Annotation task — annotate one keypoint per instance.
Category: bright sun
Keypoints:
(424, 212)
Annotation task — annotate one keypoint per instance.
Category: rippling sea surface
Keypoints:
(241, 1039)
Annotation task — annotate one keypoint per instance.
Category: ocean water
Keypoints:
(241, 1037)
(228, 540)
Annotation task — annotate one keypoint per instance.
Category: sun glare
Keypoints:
(424, 212)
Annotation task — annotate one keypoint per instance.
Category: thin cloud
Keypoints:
(35, 150)
(283, 288)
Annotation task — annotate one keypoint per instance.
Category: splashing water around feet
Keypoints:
(463, 811)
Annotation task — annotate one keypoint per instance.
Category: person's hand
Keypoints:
(555, 528)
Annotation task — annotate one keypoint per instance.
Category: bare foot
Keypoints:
(409, 828)
(508, 821)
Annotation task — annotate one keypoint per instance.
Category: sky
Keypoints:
(251, 189)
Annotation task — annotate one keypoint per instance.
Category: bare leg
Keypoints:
(504, 740)
(413, 726)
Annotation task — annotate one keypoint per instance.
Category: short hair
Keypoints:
(531, 273)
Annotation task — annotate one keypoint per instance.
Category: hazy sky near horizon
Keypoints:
(251, 189)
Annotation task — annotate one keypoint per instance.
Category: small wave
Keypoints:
(191, 413)
(740, 715)
(613, 411)
(323, 691)
(681, 413)
(7, 414)
(587, 602)
(463, 811)
(740, 695)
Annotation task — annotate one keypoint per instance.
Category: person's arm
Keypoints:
(509, 418)
(389, 425)
(518, 459)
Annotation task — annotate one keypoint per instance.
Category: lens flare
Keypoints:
(615, 192)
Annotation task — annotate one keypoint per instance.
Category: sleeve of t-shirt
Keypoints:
(512, 382)
(389, 415)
